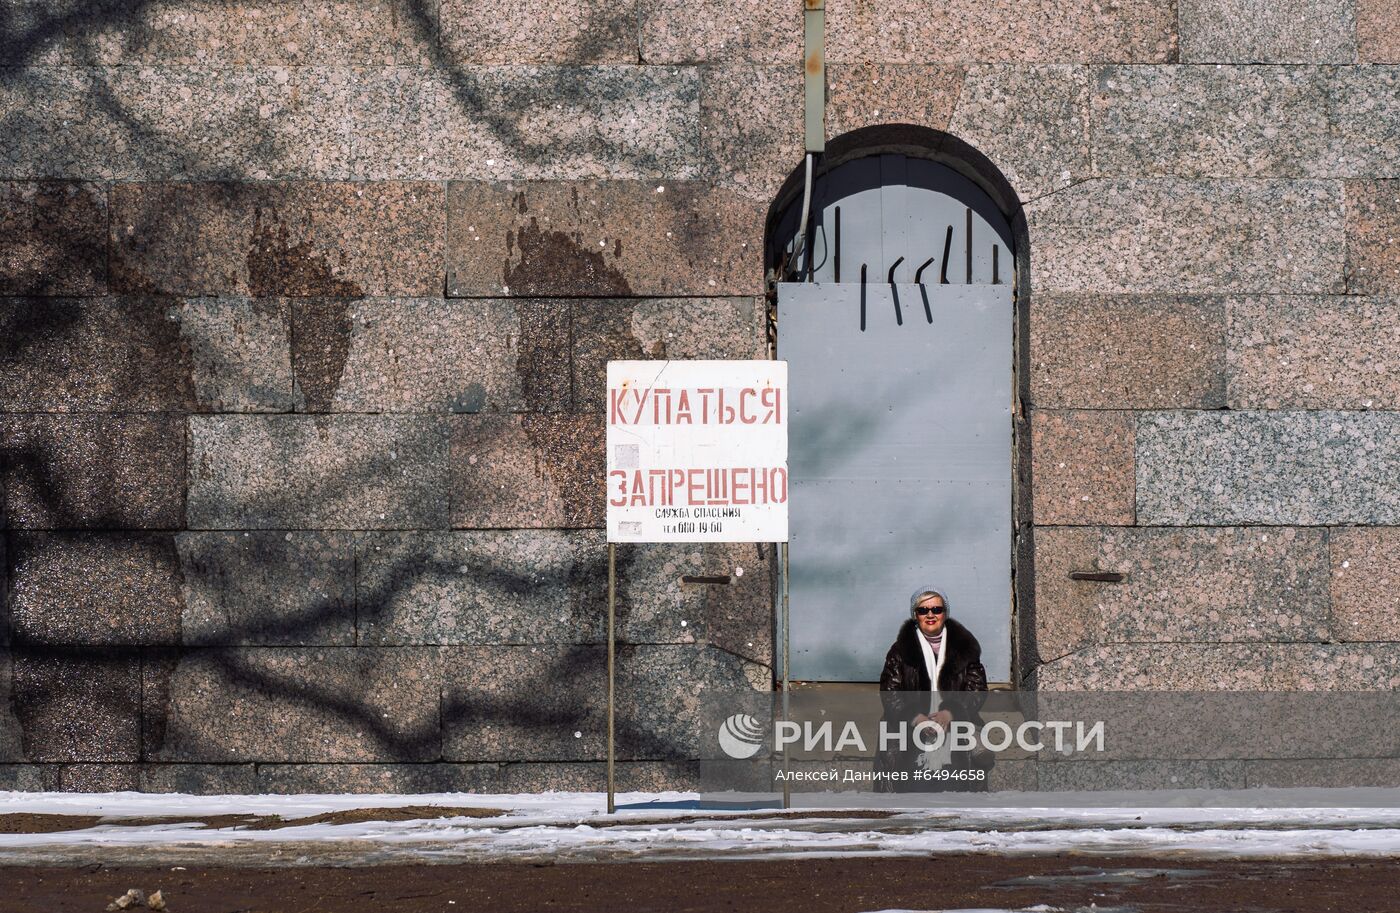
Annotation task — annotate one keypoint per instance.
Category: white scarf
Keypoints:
(935, 758)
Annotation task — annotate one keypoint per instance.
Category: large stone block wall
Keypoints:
(304, 310)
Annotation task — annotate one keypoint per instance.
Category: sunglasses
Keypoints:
(925, 609)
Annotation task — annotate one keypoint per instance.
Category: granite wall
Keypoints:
(306, 306)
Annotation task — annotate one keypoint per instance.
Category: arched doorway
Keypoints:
(898, 307)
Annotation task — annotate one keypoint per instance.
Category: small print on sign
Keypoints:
(697, 451)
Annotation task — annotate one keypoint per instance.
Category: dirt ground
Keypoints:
(1141, 885)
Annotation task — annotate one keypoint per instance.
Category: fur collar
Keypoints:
(962, 647)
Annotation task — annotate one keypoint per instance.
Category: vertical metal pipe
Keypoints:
(814, 68)
(612, 641)
(787, 786)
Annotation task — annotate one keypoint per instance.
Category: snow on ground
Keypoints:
(573, 827)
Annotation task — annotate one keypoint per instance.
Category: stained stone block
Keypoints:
(1365, 582)
(1127, 352)
(749, 31)
(343, 240)
(105, 471)
(81, 707)
(1083, 468)
(199, 779)
(1226, 667)
(1330, 773)
(285, 704)
(1306, 468)
(751, 127)
(29, 778)
(617, 237)
(240, 352)
(12, 734)
(431, 355)
(1191, 121)
(1031, 121)
(339, 472)
(868, 94)
(1267, 31)
(379, 779)
(1079, 776)
(1178, 236)
(1313, 353)
(540, 31)
(266, 589)
(488, 587)
(52, 239)
(972, 31)
(712, 328)
(1373, 237)
(95, 590)
(1377, 39)
(527, 471)
(1066, 614)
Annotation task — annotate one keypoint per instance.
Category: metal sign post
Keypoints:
(612, 641)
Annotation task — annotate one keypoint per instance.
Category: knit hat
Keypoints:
(923, 593)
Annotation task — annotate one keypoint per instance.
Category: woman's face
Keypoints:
(931, 622)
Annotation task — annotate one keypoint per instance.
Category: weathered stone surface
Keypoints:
(52, 239)
(1377, 39)
(99, 778)
(266, 589)
(609, 329)
(1227, 667)
(527, 471)
(200, 779)
(1032, 122)
(292, 705)
(540, 31)
(1365, 120)
(907, 31)
(95, 589)
(11, 732)
(864, 95)
(105, 471)
(1365, 582)
(1314, 353)
(35, 778)
(1267, 31)
(1181, 586)
(489, 587)
(303, 239)
(592, 776)
(1373, 237)
(431, 355)
(605, 238)
(379, 779)
(338, 472)
(1191, 121)
(749, 31)
(1331, 773)
(240, 353)
(1134, 775)
(1307, 468)
(738, 615)
(1179, 236)
(77, 708)
(547, 702)
(751, 127)
(1127, 352)
(1083, 468)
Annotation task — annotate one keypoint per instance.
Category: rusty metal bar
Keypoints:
(814, 66)
(1098, 576)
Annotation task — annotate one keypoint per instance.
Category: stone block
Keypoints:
(431, 355)
(1373, 237)
(103, 471)
(335, 472)
(1031, 121)
(590, 239)
(1365, 582)
(527, 471)
(342, 240)
(1178, 236)
(12, 733)
(614, 329)
(908, 31)
(94, 590)
(751, 127)
(1099, 776)
(1083, 468)
(1377, 39)
(540, 31)
(869, 94)
(592, 776)
(240, 353)
(29, 778)
(285, 704)
(739, 615)
(1191, 121)
(1267, 31)
(730, 31)
(77, 707)
(1127, 352)
(1226, 667)
(379, 779)
(200, 779)
(52, 238)
(99, 778)
(487, 587)
(1313, 353)
(1305, 468)
(1365, 120)
(1066, 614)
(1329, 773)
(266, 589)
